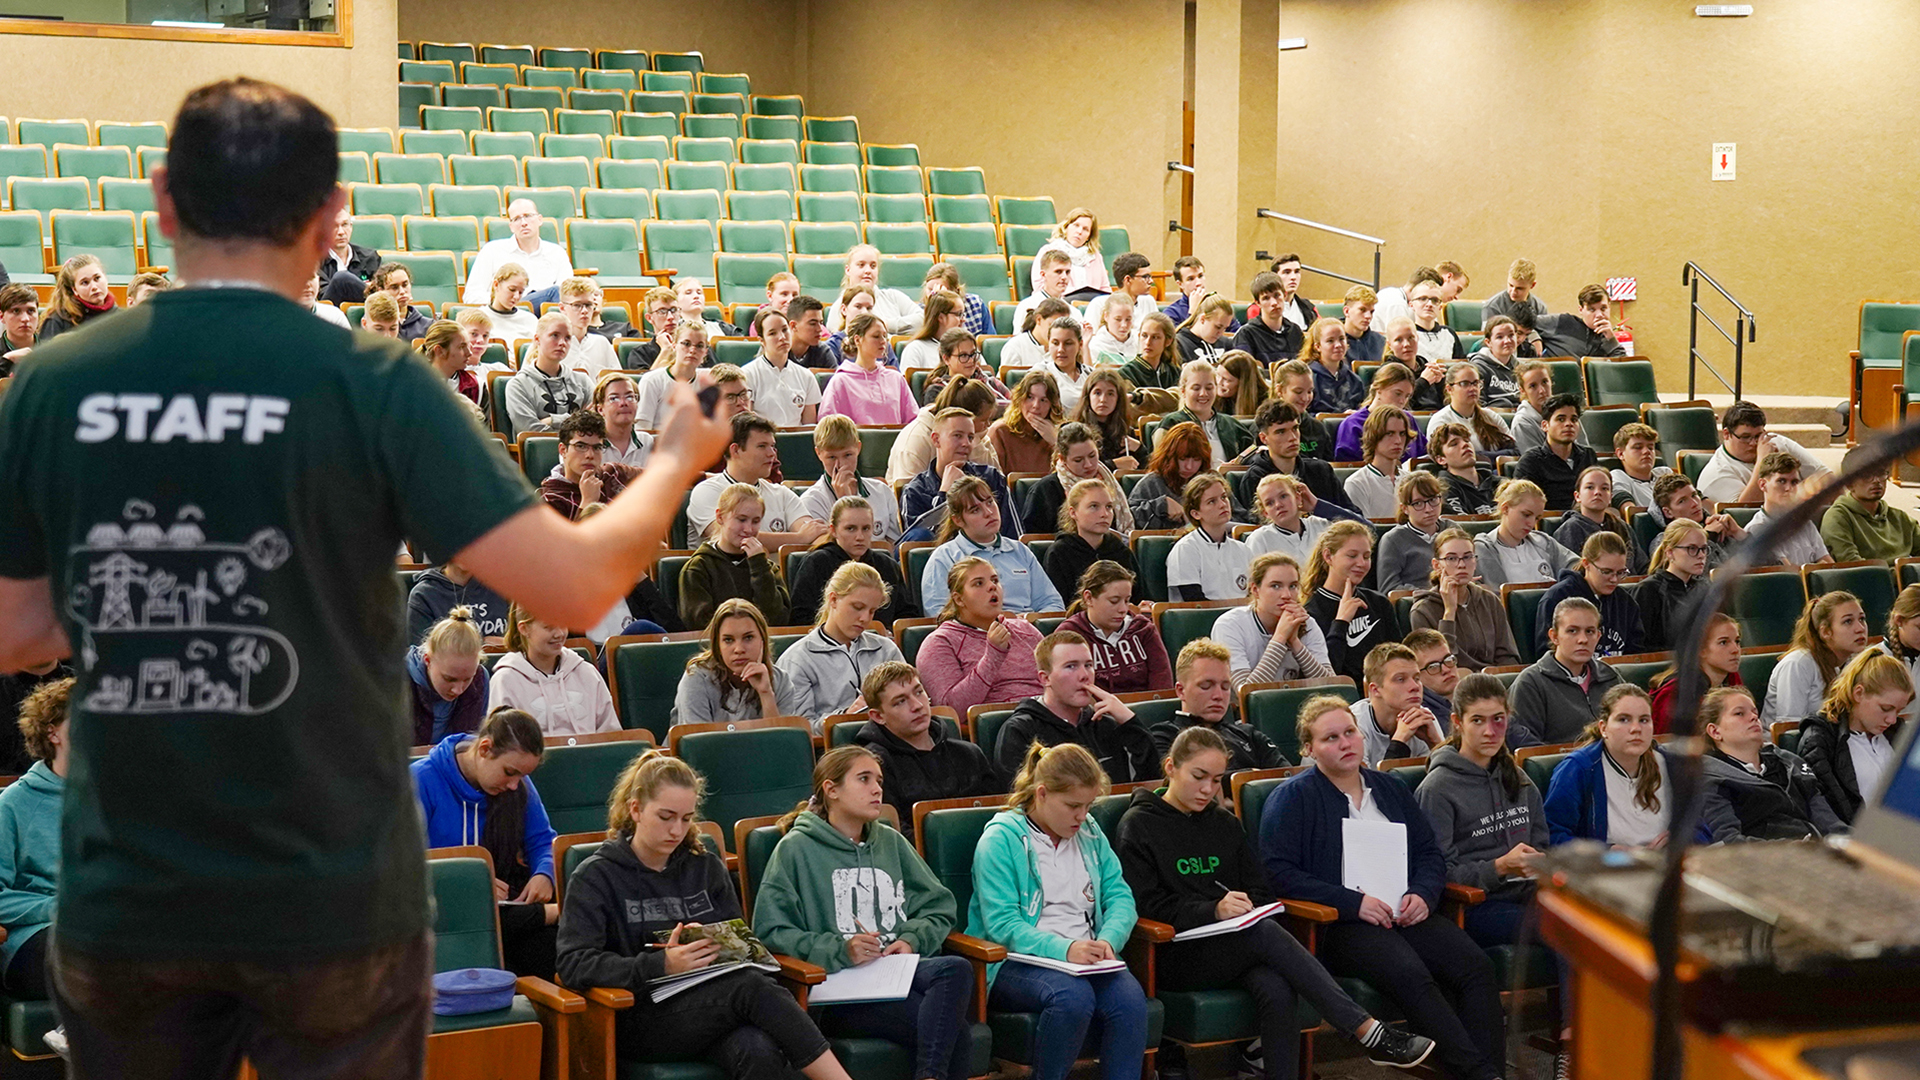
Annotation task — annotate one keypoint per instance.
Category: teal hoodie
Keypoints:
(29, 855)
(1006, 890)
(819, 883)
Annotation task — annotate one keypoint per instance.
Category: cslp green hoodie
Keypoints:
(818, 883)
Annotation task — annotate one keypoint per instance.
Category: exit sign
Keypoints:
(1723, 161)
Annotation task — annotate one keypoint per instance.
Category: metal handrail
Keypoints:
(1175, 166)
(1376, 241)
(1743, 331)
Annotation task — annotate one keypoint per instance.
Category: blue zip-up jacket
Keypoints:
(29, 855)
(923, 493)
(1302, 845)
(456, 812)
(1006, 903)
(1576, 804)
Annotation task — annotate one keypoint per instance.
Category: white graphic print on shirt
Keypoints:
(869, 895)
(170, 605)
(1359, 627)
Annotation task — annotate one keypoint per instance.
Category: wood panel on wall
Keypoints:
(124, 79)
(754, 36)
(1578, 134)
(1080, 101)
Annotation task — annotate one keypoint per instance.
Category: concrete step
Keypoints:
(1781, 409)
(1810, 436)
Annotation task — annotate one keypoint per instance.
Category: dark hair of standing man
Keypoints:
(250, 161)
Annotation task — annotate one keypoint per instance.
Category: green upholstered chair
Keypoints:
(1620, 382)
(643, 674)
(578, 772)
(1274, 708)
(1767, 603)
(1868, 579)
(752, 768)
(1181, 622)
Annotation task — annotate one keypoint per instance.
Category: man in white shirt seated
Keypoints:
(545, 262)
(1056, 268)
(750, 460)
(1744, 440)
(1780, 491)
(310, 296)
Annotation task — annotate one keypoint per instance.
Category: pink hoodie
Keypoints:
(960, 669)
(571, 701)
(877, 398)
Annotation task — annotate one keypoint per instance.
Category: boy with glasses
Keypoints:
(1439, 671)
(1779, 476)
(1744, 440)
(583, 477)
(1396, 302)
(590, 350)
(1603, 566)
(663, 317)
(1132, 284)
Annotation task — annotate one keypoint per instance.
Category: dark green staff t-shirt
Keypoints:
(217, 482)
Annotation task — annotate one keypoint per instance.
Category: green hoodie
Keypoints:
(818, 883)
(1006, 903)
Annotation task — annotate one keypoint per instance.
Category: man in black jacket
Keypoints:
(919, 759)
(348, 267)
(1203, 680)
(1073, 709)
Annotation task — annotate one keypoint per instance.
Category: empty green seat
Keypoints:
(844, 178)
(627, 174)
(760, 206)
(453, 52)
(829, 206)
(438, 141)
(687, 247)
(93, 162)
(824, 237)
(131, 136)
(896, 209)
(474, 201)
(443, 118)
(1275, 711)
(568, 58)
(414, 97)
(1620, 382)
(1598, 424)
(427, 72)
(820, 276)
(118, 194)
(697, 175)
(575, 781)
(640, 148)
(770, 152)
(895, 180)
(610, 79)
(719, 104)
(595, 123)
(1036, 210)
(742, 279)
(605, 203)
(482, 97)
(547, 172)
(963, 210)
(490, 74)
(980, 239)
(105, 234)
(441, 233)
(365, 140)
(825, 153)
(764, 178)
(698, 205)
(554, 203)
(751, 772)
(634, 60)
(511, 55)
(533, 121)
(558, 78)
(968, 181)
(611, 247)
(745, 237)
(677, 82)
(715, 82)
(782, 105)
(1767, 603)
(671, 102)
(1688, 428)
(1024, 241)
(546, 99)
(398, 200)
(983, 275)
(21, 245)
(377, 231)
(900, 239)
(513, 144)
(784, 128)
(417, 169)
(25, 161)
(841, 129)
(704, 150)
(495, 171)
(47, 195)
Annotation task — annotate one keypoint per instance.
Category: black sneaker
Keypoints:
(1399, 1049)
(1253, 1063)
(1171, 1061)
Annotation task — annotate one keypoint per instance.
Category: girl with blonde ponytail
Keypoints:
(844, 889)
(449, 683)
(1046, 883)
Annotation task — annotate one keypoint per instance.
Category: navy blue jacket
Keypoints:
(923, 493)
(1576, 803)
(1302, 845)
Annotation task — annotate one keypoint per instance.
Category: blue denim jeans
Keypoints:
(932, 1018)
(1068, 1005)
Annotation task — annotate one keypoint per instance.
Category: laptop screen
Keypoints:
(1903, 787)
(1891, 822)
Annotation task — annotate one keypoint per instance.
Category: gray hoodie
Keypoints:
(826, 675)
(1476, 821)
(1549, 708)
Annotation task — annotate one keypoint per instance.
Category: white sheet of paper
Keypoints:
(1233, 925)
(1375, 859)
(1098, 967)
(890, 978)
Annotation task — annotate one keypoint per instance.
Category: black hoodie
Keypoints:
(434, 594)
(1247, 748)
(615, 904)
(1070, 556)
(1179, 865)
(953, 769)
(1125, 751)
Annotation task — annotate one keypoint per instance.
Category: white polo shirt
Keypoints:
(1220, 569)
(546, 267)
(782, 505)
(780, 393)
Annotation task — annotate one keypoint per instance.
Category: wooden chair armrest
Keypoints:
(611, 997)
(585, 271)
(547, 995)
(1463, 894)
(1308, 911)
(799, 971)
(973, 948)
(664, 277)
(1154, 933)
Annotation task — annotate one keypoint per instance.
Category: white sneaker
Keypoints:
(56, 1041)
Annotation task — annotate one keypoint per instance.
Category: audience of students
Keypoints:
(1557, 464)
(1203, 336)
(438, 591)
(1849, 743)
(913, 447)
(785, 391)
(828, 665)
(1438, 670)
(1392, 713)
(1638, 448)
(1528, 423)
(836, 444)
(960, 358)
(1285, 528)
(1128, 654)
(972, 529)
(682, 364)
(1432, 971)
(616, 396)
(1270, 335)
(1470, 616)
(1076, 460)
(1469, 483)
(1066, 363)
(1180, 453)
(1240, 384)
(1104, 408)
(1281, 447)
(583, 476)
(1560, 693)
(863, 386)
(1678, 569)
(1675, 499)
(1336, 387)
(940, 316)
(1729, 475)
(1199, 405)
(1902, 639)
(1086, 536)
(545, 390)
(1365, 345)
(476, 788)
(1157, 365)
(979, 652)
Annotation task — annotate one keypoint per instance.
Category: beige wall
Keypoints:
(754, 36)
(1084, 107)
(1585, 147)
(120, 79)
